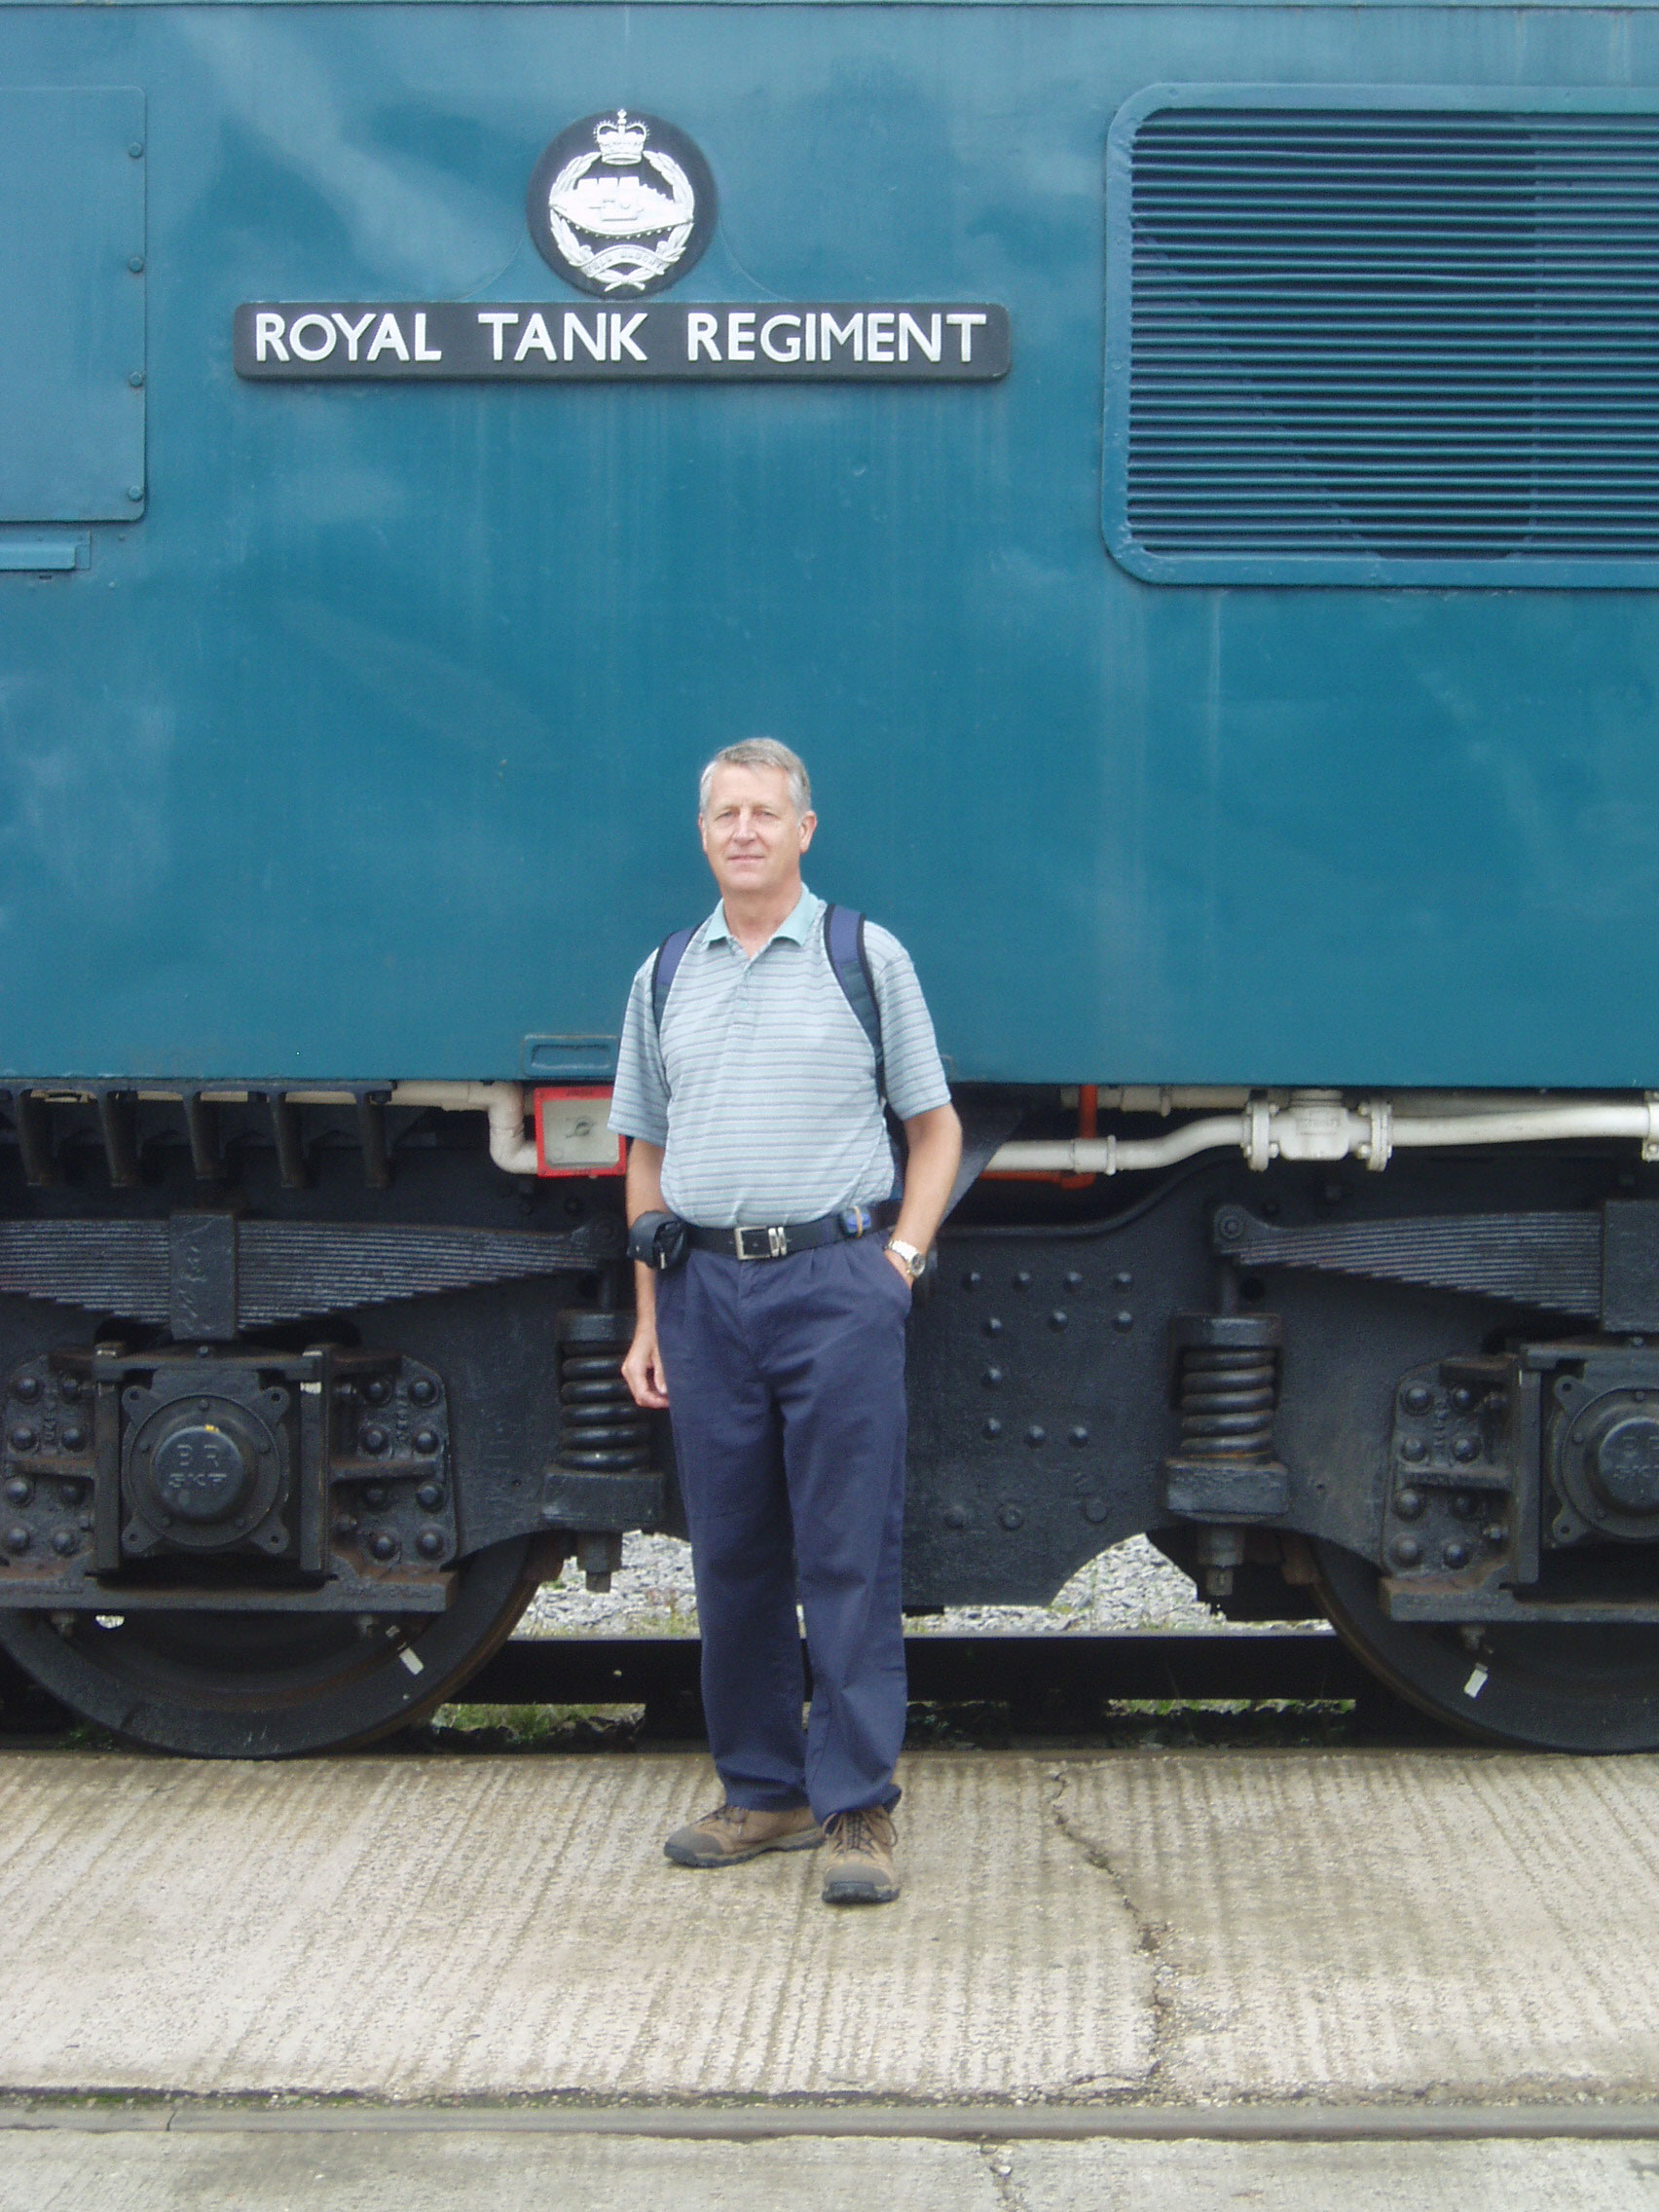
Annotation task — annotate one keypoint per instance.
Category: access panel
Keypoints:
(72, 255)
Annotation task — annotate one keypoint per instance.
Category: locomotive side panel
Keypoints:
(369, 742)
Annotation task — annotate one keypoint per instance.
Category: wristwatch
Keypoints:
(916, 1263)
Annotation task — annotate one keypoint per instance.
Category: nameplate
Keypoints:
(931, 342)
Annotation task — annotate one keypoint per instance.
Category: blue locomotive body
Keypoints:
(1236, 675)
(362, 747)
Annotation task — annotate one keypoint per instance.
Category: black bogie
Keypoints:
(316, 1413)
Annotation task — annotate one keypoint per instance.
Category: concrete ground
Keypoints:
(463, 2171)
(1181, 1925)
(1099, 1934)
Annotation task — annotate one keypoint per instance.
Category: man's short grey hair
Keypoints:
(761, 753)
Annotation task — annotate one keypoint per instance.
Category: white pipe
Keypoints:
(509, 1148)
(1539, 1125)
(1309, 1124)
(1320, 1126)
(1117, 1156)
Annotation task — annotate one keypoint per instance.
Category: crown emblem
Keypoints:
(621, 143)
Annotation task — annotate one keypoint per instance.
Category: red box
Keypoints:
(577, 1150)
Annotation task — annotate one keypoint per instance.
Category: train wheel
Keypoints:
(268, 1686)
(1564, 1689)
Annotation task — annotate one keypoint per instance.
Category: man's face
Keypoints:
(751, 834)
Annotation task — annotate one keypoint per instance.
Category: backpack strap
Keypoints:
(666, 966)
(844, 942)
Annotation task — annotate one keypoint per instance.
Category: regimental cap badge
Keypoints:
(621, 205)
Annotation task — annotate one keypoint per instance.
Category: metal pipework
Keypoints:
(1302, 1125)
(1320, 1126)
(504, 1102)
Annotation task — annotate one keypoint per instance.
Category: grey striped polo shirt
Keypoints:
(761, 1088)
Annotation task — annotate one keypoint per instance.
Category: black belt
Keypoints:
(776, 1240)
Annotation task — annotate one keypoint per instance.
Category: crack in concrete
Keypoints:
(998, 2159)
(1151, 1935)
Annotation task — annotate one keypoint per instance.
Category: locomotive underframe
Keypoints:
(355, 1357)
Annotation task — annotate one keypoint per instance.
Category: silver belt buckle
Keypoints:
(777, 1244)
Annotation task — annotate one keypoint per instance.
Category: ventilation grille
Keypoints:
(1388, 345)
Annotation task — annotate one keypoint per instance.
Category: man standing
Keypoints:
(753, 1095)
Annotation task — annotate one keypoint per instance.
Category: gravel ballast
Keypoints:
(1132, 1586)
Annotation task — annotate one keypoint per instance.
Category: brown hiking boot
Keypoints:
(860, 1868)
(731, 1832)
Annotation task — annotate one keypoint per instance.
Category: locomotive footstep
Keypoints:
(1567, 1688)
(270, 1686)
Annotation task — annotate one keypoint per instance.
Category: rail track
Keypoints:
(1046, 1682)
(1021, 1670)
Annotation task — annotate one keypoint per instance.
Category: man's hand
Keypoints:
(898, 1267)
(934, 1141)
(642, 1370)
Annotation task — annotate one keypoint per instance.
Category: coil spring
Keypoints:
(601, 1426)
(1227, 1396)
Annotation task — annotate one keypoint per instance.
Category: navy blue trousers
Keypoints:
(785, 1387)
